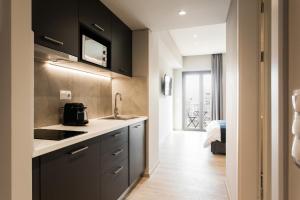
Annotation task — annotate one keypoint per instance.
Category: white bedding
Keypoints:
(213, 133)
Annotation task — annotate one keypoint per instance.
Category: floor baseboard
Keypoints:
(227, 190)
(149, 172)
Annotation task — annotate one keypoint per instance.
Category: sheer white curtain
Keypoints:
(217, 87)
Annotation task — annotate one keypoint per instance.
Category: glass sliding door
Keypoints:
(196, 100)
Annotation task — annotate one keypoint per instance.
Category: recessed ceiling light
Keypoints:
(195, 35)
(182, 12)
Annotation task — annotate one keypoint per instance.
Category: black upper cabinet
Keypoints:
(71, 173)
(95, 16)
(55, 24)
(121, 59)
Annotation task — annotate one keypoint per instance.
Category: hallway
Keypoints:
(187, 171)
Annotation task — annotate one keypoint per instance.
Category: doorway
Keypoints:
(196, 88)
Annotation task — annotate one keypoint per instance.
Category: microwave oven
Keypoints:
(94, 52)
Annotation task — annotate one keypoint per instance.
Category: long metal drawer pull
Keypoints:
(118, 152)
(98, 27)
(53, 40)
(118, 170)
(79, 150)
(117, 134)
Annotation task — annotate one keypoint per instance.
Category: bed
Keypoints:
(216, 137)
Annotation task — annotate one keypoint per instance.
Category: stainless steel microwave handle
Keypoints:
(53, 40)
(79, 150)
(98, 27)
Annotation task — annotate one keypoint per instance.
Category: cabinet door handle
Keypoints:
(117, 134)
(137, 126)
(54, 41)
(79, 150)
(98, 27)
(118, 152)
(118, 170)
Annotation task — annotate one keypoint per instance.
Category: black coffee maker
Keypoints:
(75, 114)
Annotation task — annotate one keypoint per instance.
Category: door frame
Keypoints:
(275, 142)
(265, 105)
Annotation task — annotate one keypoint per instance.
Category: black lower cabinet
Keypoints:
(137, 162)
(97, 169)
(36, 195)
(71, 173)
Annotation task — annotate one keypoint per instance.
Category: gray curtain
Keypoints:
(217, 87)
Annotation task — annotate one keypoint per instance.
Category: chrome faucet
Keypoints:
(116, 110)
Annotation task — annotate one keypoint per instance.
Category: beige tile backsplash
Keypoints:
(94, 92)
(134, 95)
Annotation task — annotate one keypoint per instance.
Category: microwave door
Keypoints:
(93, 51)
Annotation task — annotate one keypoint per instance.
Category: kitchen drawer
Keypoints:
(114, 157)
(113, 140)
(115, 181)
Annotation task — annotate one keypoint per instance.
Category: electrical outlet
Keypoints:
(65, 95)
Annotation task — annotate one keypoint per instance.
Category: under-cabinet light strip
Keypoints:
(60, 67)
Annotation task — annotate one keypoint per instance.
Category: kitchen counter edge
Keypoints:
(42, 147)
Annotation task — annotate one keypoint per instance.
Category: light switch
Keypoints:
(65, 95)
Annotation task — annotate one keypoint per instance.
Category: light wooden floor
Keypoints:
(187, 171)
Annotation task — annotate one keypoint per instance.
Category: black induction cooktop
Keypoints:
(48, 134)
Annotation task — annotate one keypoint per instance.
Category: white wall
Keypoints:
(249, 117)
(168, 59)
(242, 169)
(231, 59)
(154, 89)
(16, 118)
(202, 63)
(190, 63)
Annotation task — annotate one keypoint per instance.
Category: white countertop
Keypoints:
(96, 127)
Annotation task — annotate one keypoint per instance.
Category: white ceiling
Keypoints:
(159, 15)
(201, 40)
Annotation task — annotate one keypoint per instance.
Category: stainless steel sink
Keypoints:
(120, 117)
